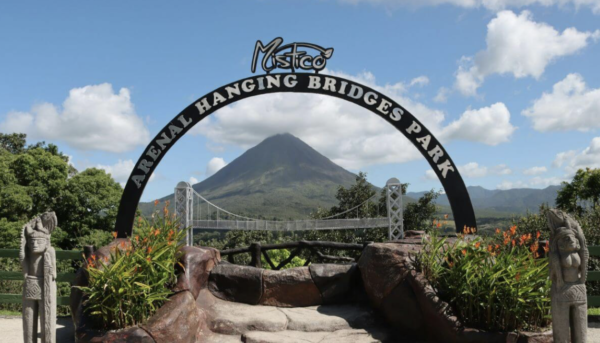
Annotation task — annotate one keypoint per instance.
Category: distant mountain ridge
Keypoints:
(517, 200)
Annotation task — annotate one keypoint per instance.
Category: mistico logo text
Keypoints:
(276, 56)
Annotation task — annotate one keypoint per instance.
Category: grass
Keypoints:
(9, 313)
(594, 311)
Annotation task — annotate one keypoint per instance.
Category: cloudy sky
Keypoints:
(511, 87)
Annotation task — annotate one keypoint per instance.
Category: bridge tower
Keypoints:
(184, 209)
(394, 209)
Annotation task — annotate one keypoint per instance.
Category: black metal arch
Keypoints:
(359, 94)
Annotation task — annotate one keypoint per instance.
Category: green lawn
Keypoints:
(595, 311)
(9, 313)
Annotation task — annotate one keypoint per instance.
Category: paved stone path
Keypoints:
(11, 331)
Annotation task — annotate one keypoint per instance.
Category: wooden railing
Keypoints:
(257, 249)
(18, 276)
(594, 300)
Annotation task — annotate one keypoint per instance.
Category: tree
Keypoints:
(585, 186)
(418, 215)
(89, 202)
(38, 178)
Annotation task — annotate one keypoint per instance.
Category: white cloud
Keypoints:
(214, 165)
(493, 5)
(91, 118)
(570, 106)
(419, 81)
(121, 170)
(519, 46)
(474, 170)
(574, 160)
(193, 180)
(535, 182)
(535, 171)
(489, 125)
(442, 95)
(362, 139)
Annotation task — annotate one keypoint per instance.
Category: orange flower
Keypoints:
(490, 248)
(156, 232)
(156, 202)
(137, 238)
(506, 241)
(149, 250)
(513, 242)
(537, 235)
(477, 245)
(464, 252)
(122, 244)
(439, 225)
(536, 255)
(534, 247)
(497, 247)
(445, 216)
(513, 230)
(497, 231)
(114, 234)
(518, 276)
(547, 247)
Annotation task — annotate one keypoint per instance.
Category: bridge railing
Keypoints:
(258, 249)
(72, 255)
(297, 225)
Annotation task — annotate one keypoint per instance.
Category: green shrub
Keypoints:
(496, 283)
(127, 288)
(279, 255)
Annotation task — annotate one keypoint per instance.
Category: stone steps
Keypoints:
(236, 322)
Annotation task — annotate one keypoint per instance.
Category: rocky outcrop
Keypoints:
(237, 283)
(197, 265)
(383, 266)
(177, 320)
(334, 281)
(289, 288)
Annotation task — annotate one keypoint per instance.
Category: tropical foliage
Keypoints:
(499, 283)
(129, 286)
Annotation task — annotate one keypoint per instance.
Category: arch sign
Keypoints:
(293, 57)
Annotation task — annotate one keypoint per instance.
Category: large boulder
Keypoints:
(334, 281)
(197, 265)
(383, 266)
(177, 320)
(231, 318)
(402, 310)
(292, 287)
(236, 283)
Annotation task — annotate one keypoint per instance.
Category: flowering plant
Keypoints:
(129, 286)
(497, 283)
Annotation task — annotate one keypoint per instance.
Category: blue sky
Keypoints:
(512, 88)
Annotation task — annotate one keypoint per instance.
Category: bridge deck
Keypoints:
(297, 225)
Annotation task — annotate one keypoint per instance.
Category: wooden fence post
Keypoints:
(255, 251)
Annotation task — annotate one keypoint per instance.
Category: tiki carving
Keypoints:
(568, 272)
(38, 261)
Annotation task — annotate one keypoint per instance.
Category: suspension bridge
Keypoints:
(196, 212)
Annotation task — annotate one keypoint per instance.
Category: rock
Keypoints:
(292, 287)
(119, 243)
(236, 283)
(327, 318)
(176, 321)
(236, 318)
(402, 310)
(383, 266)
(218, 338)
(441, 324)
(536, 337)
(414, 234)
(341, 336)
(334, 281)
(129, 335)
(197, 263)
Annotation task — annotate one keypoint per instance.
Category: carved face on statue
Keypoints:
(38, 245)
(567, 241)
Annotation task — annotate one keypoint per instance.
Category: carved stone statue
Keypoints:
(38, 261)
(568, 271)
